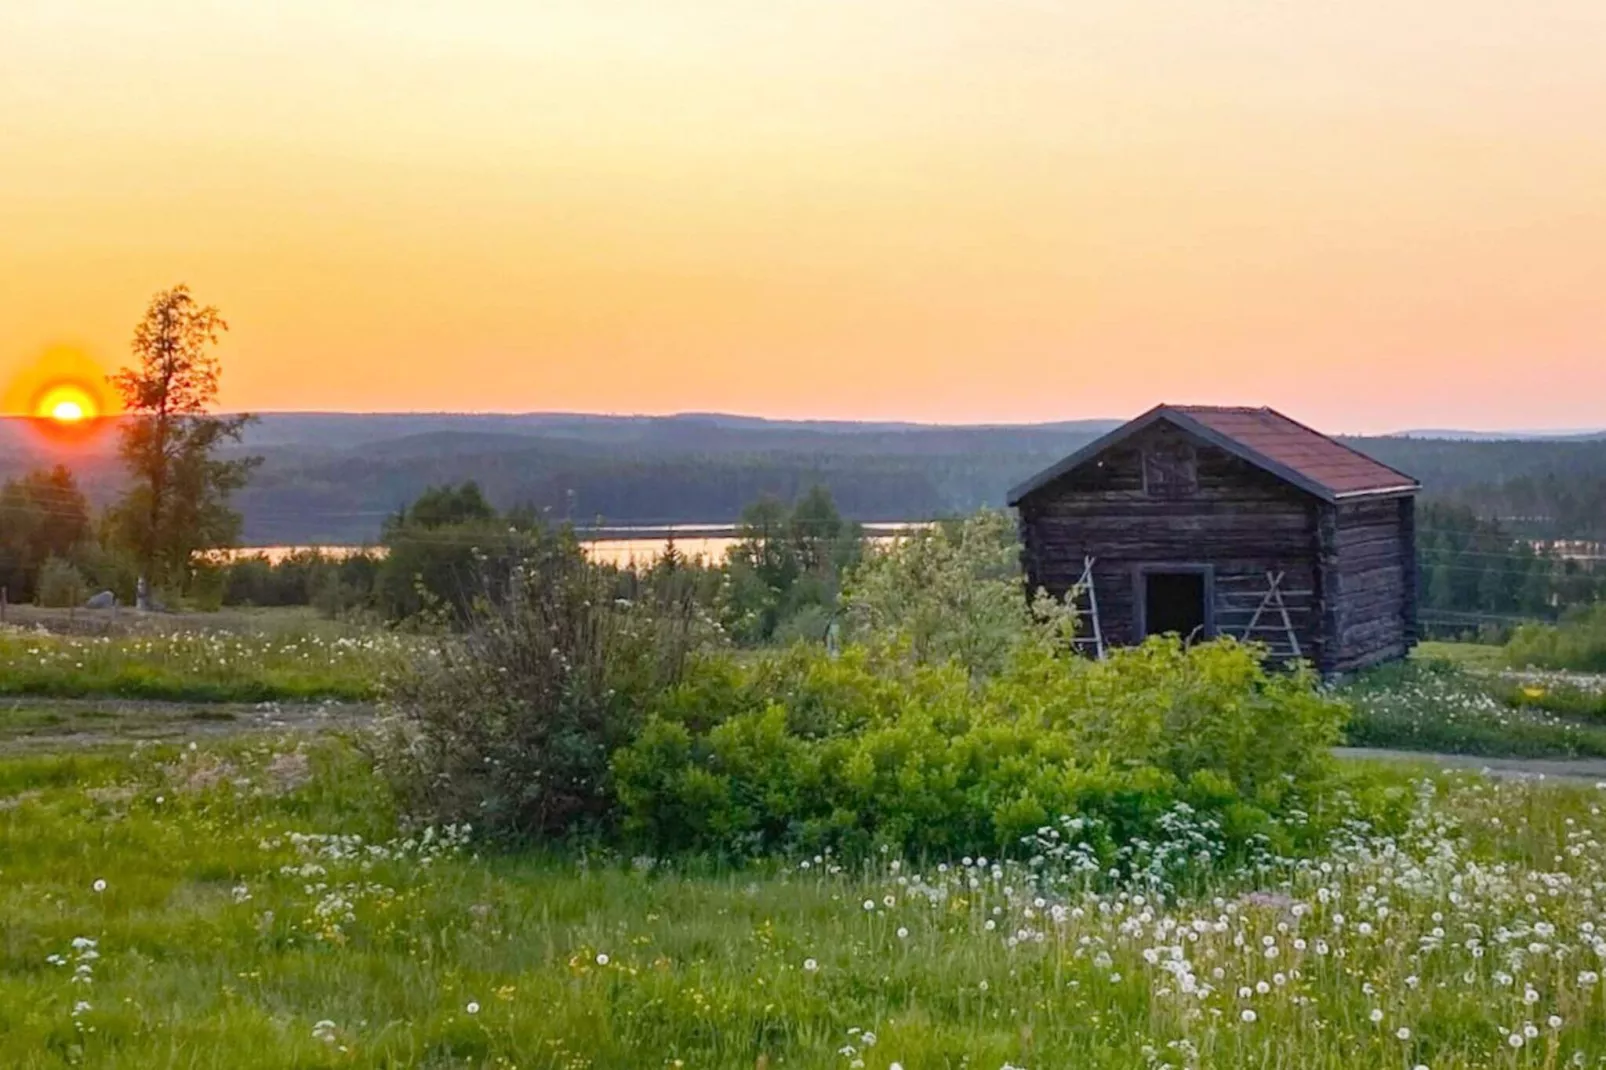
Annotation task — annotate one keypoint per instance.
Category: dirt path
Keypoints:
(44, 724)
(1590, 769)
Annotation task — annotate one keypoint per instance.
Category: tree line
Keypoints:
(1476, 577)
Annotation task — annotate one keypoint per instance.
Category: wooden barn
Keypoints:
(1208, 521)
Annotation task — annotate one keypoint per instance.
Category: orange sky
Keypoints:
(1373, 214)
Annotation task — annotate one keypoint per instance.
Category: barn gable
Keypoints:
(1234, 522)
(1285, 448)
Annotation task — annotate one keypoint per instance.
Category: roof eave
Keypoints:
(1380, 492)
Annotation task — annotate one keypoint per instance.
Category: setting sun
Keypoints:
(67, 412)
(66, 403)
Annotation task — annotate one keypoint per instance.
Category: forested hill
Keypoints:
(333, 478)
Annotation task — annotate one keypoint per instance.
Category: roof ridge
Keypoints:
(1345, 472)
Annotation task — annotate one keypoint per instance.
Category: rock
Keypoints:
(103, 600)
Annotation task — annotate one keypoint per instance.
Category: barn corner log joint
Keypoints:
(1211, 521)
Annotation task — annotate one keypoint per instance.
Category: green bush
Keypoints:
(804, 752)
(60, 584)
(1578, 643)
(953, 591)
(511, 727)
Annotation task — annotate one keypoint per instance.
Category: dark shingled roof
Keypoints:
(1267, 439)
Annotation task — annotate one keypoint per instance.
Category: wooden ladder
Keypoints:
(1087, 642)
(1272, 604)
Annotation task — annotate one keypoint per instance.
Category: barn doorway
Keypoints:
(1177, 600)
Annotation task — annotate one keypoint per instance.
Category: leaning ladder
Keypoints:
(1083, 640)
(1273, 603)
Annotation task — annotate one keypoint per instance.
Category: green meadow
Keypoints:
(254, 903)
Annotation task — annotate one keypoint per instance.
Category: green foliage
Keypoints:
(451, 550)
(783, 577)
(202, 666)
(1578, 642)
(511, 727)
(950, 592)
(1565, 695)
(60, 584)
(262, 909)
(43, 515)
(1437, 705)
(178, 504)
(801, 751)
(336, 585)
(1471, 569)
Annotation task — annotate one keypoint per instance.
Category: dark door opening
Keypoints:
(1175, 602)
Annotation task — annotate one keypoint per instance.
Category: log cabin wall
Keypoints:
(1373, 582)
(1234, 517)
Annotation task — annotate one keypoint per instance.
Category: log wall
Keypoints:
(1373, 594)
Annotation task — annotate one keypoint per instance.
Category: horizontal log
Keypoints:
(1121, 526)
(1359, 514)
(1372, 549)
(1359, 533)
(1365, 659)
(1372, 565)
(1371, 633)
(1137, 502)
(1370, 580)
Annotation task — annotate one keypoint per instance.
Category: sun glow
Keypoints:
(67, 412)
(66, 403)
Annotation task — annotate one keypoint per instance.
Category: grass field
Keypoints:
(224, 893)
(252, 904)
(1464, 703)
(202, 666)
(1467, 655)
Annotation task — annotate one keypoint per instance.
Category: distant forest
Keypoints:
(334, 478)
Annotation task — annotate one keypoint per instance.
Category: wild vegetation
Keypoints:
(1478, 579)
(257, 904)
(594, 831)
(1577, 642)
(203, 666)
(1439, 706)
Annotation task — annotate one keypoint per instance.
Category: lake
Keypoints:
(617, 546)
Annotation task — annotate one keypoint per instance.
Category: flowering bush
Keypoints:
(510, 728)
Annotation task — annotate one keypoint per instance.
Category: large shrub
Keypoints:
(804, 751)
(60, 584)
(512, 726)
(952, 592)
(1578, 642)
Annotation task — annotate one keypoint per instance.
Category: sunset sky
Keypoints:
(1372, 214)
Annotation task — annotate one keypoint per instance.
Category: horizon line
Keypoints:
(1427, 431)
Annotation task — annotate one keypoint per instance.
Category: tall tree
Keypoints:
(179, 501)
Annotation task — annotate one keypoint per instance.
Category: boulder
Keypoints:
(103, 600)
